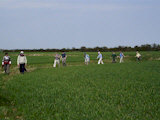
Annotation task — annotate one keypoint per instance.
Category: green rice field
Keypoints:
(113, 91)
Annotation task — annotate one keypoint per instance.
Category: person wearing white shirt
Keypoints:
(138, 56)
(100, 61)
(56, 60)
(6, 63)
(121, 55)
(22, 62)
(86, 58)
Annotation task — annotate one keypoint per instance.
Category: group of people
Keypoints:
(63, 56)
(87, 58)
(22, 60)
(114, 56)
(121, 56)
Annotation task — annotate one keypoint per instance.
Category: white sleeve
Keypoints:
(10, 61)
(25, 60)
(18, 60)
(3, 61)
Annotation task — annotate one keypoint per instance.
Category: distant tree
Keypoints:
(155, 47)
(136, 48)
(145, 47)
(63, 49)
(73, 49)
(83, 49)
(41, 50)
(104, 49)
(96, 49)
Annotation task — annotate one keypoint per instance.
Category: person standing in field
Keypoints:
(86, 58)
(64, 57)
(22, 62)
(121, 55)
(56, 60)
(113, 57)
(138, 56)
(6, 63)
(100, 61)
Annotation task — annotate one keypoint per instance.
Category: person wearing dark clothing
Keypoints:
(114, 57)
(64, 57)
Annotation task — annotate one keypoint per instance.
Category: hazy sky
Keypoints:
(27, 24)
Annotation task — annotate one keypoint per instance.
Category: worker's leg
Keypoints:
(54, 65)
(7, 69)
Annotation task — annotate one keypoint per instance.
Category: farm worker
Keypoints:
(56, 60)
(64, 57)
(86, 58)
(113, 57)
(138, 56)
(100, 58)
(22, 62)
(6, 63)
(121, 55)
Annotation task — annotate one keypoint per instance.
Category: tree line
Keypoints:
(145, 47)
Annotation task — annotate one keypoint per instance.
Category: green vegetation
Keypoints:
(127, 91)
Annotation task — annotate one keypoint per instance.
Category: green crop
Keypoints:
(127, 91)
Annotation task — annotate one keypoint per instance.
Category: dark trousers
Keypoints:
(138, 59)
(22, 68)
(113, 60)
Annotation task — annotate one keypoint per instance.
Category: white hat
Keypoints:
(22, 52)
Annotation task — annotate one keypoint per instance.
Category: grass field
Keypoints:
(127, 91)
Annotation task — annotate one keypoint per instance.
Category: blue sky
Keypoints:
(28, 24)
